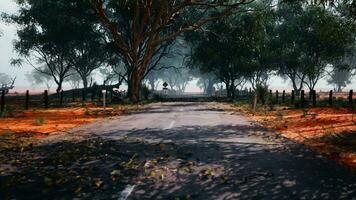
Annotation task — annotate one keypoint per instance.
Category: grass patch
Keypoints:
(279, 115)
(39, 121)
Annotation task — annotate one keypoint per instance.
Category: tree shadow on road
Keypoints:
(221, 162)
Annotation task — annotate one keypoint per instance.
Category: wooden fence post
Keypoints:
(331, 98)
(314, 98)
(293, 97)
(83, 95)
(100, 95)
(350, 97)
(27, 100)
(284, 96)
(2, 107)
(61, 98)
(106, 96)
(310, 94)
(46, 99)
(302, 99)
(73, 95)
(93, 96)
(277, 95)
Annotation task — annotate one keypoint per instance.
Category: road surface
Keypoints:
(248, 161)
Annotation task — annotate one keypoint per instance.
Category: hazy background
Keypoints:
(6, 53)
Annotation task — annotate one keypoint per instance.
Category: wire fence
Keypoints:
(46, 100)
(73, 97)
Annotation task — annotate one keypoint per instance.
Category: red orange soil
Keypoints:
(311, 126)
(317, 128)
(45, 122)
(300, 125)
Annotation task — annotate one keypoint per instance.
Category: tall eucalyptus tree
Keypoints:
(139, 28)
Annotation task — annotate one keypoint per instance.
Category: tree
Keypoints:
(206, 82)
(325, 38)
(233, 49)
(37, 77)
(62, 35)
(176, 77)
(170, 56)
(4, 79)
(115, 75)
(287, 43)
(89, 50)
(340, 78)
(311, 36)
(153, 79)
(74, 80)
(139, 28)
(44, 37)
(213, 52)
(349, 6)
(6, 82)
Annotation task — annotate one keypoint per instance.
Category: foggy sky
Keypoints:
(6, 53)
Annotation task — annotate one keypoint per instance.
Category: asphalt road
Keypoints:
(249, 162)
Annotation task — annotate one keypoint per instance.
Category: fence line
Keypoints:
(45, 100)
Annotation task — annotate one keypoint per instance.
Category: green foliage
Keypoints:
(296, 38)
(87, 111)
(233, 49)
(262, 93)
(39, 121)
(305, 112)
(62, 35)
(340, 78)
(308, 37)
(279, 115)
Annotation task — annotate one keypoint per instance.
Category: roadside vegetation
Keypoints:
(231, 47)
(328, 130)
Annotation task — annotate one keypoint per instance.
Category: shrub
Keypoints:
(279, 115)
(87, 111)
(9, 111)
(262, 93)
(39, 121)
(145, 91)
(305, 112)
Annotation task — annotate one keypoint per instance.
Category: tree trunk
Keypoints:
(152, 84)
(295, 87)
(339, 88)
(59, 86)
(209, 89)
(85, 82)
(254, 104)
(228, 91)
(134, 86)
(232, 90)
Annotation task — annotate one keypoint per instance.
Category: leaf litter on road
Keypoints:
(92, 168)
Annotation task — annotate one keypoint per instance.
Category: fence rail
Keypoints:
(45, 100)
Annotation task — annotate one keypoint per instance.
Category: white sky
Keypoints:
(6, 53)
